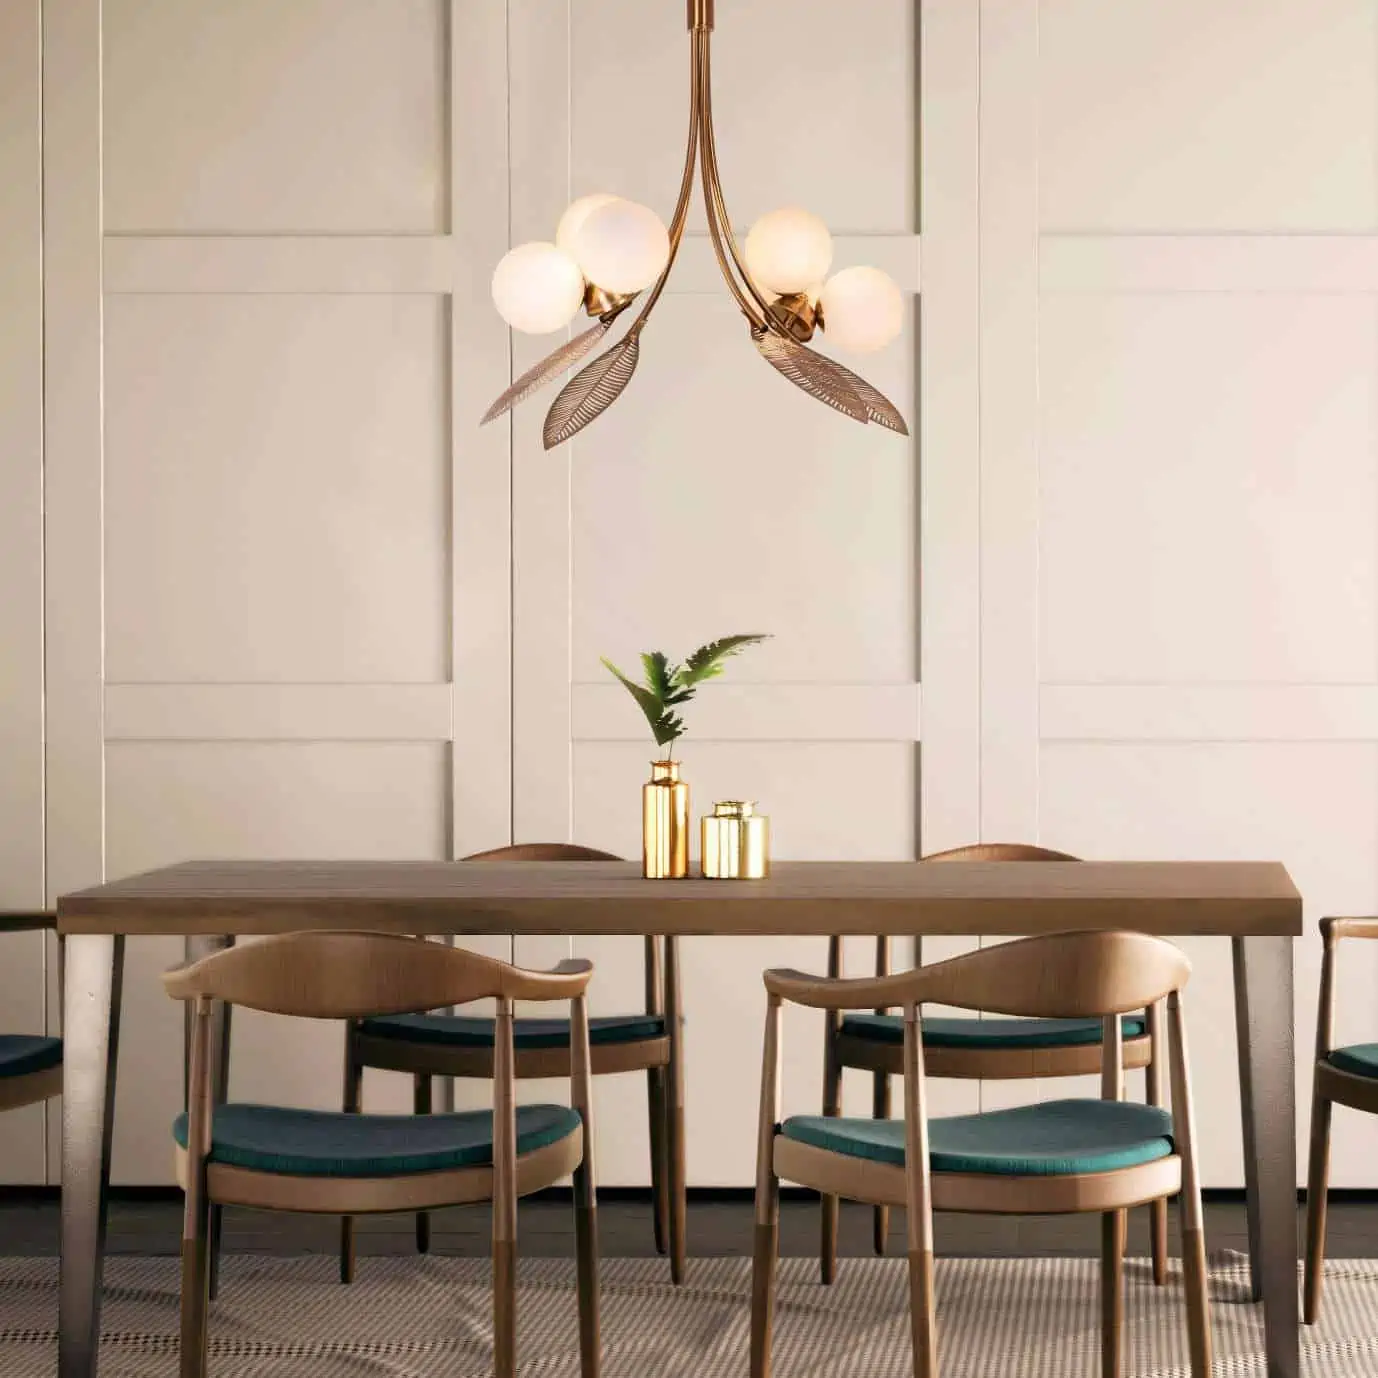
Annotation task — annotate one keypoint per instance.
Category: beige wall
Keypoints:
(297, 603)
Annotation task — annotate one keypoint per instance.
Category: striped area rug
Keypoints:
(415, 1318)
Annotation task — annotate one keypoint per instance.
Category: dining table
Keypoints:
(210, 903)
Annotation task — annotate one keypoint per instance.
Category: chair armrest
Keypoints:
(565, 981)
(27, 922)
(841, 993)
(1335, 928)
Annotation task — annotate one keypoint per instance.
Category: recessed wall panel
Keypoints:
(276, 489)
(1207, 489)
(271, 116)
(814, 105)
(169, 802)
(715, 498)
(1313, 806)
(1172, 115)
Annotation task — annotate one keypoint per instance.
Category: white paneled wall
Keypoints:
(298, 603)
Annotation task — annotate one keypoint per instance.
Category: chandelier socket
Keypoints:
(604, 304)
(797, 314)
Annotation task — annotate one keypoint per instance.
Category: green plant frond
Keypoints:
(666, 726)
(707, 661)
(649, 704)
(669, 727)
(661, 678)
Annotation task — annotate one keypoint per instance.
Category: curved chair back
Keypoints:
(1057, 975)
(1000, 851)
(348, 975)
(543, 851)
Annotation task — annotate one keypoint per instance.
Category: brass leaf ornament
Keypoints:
(591, 391)
(879, 408)
(550, 367)
(607, 252)
(813, 373)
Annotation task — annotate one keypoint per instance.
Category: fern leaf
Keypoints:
(707, 661)
(662, 678)
(649, 704)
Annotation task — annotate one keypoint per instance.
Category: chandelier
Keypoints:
(609, 251)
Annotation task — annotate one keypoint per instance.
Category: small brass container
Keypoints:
(735, 843)
(665, 823)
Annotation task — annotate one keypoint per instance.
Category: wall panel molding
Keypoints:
(762, 713)
(1209, 713)
(1209, 263)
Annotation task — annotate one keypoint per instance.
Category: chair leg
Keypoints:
(660, 1168)
(763, 1260)
(880, 1110)
(1157, 1231)
(921, 1317)
(678, 1192)
(421, 1105)
(196, 1296)
(586, 1255)
(1198, 1303)
(832, 1106)
(1317, 1186)
(1112, 1292)
(353, 1089)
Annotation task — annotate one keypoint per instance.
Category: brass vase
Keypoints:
(665, 823)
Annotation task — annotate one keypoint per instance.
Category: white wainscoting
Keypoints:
(271, 590)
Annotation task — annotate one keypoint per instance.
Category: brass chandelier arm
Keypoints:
(686, 190)
(715, 207)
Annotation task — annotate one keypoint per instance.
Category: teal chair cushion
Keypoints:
(1359, 1059)
(23, 1054)
(989, 1033)
(1049, 1140)
(327, 1143)
(465, 1031)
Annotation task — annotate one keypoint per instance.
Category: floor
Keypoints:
(719, 1224)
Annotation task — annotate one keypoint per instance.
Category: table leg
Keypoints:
(1246, 1105)
(91, 1031)
(1263, 1005)
(194, 948)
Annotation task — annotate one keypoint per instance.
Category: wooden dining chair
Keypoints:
(976, 1050)
(327, 1162)
(431, 1045)
(1342, 1076)
(30, 1064)
(1058, 1157)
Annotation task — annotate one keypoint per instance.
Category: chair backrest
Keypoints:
(1057, 975)
(543, 851)
(348, 975)
(1000, 851)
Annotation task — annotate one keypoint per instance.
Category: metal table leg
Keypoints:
(194, 948)
(1263, 1009)
(91, 1030)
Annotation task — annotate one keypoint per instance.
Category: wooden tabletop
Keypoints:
(594, 897)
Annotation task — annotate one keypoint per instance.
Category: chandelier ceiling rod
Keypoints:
(603, 240)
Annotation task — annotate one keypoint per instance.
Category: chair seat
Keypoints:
(23, 1054)
(324, 1143)
(990, 1033)
(1359, 1059)
(465, 1031)
(1054, 1139)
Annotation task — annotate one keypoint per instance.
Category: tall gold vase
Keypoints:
(665, 823)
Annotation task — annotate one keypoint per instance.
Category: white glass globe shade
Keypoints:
(789, 250)
(863, 309)
(622, 246)
(537, 288)
(572, 221)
